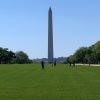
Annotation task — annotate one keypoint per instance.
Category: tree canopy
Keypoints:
(7, 57)
(21, 57)
(86, 54)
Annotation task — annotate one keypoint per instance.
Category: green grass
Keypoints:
(29, 82)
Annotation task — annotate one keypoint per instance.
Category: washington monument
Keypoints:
(50, 36)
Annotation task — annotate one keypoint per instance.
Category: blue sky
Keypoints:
(24, 25)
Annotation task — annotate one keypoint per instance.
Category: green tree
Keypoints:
(87, 54)
(80, 54)
(71, 59)
(21, 57)
(6, 56)
(96, 51)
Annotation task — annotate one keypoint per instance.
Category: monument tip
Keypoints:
(50, 8)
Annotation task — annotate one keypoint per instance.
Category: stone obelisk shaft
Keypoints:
(50, 37)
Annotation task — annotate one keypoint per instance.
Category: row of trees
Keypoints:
(8, 57)
(88, 55)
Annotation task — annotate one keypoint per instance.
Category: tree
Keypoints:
(11, 56)
(6, 56)
(21, 57)
(87, 54)
(96, 51)
(80, 54)
(72, 58)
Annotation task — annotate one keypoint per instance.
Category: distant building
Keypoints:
(58, 60)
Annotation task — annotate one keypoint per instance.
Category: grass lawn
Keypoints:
(29, 82)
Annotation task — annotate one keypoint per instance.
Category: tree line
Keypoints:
(9, 57)
(87, 55)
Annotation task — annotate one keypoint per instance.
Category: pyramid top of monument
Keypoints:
(50, 8)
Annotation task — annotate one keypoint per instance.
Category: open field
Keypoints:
(29, 82)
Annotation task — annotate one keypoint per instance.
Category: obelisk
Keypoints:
(50, 37)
